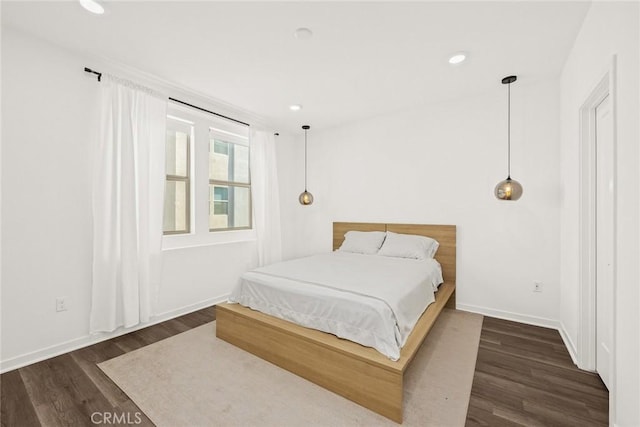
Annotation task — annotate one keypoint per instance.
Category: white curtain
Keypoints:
(128, 192)
(266, 199)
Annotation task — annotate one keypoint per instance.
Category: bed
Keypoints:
(358, 373)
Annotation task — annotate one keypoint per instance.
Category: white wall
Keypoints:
(610, 28)
(47, 105)
(440, 164)
(0, 181)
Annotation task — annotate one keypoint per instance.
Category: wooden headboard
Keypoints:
(444, 234)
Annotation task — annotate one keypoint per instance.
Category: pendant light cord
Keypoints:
(305, 160)
(509, 131)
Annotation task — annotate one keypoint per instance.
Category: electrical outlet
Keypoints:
(61, 304)
(537, 286)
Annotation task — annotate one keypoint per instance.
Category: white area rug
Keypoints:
(195, 379)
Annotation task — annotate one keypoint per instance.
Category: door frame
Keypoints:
(586, 350)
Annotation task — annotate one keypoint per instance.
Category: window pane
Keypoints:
(221, 193)
(221, 208)
(229, 207)
(176, 214)
(221, 147)
(177, 152)
(228, 161)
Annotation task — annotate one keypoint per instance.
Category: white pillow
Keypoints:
(362, 242)
(409, 246)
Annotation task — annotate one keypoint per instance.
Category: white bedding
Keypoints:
(369, 299)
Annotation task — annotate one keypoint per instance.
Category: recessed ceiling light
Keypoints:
(457, 58)
(295, 107)
(303, 33)
(92, 6)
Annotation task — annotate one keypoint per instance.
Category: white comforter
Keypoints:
(369, 299)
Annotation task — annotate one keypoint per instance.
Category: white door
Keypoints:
(604, 238)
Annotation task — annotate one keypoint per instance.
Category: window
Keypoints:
(229, 181)
(177, 201)
(207, 184)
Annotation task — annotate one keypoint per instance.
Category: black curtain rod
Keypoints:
(208, 111)
(89, 70)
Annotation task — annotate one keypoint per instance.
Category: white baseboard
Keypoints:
(571, 347)
(87, 340)
(508, 315)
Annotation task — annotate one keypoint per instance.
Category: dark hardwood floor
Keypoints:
(524, 376)
(66, 390)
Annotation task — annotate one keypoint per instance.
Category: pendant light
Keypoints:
(305, 198)
(509, 189)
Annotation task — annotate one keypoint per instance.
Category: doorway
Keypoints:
(604, 237)
(596, 339)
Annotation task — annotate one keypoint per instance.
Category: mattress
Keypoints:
(369, 299)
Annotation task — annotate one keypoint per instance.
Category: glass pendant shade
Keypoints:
(509, 189)
(305, 198)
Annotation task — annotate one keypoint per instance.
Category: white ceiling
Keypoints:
(364, 59)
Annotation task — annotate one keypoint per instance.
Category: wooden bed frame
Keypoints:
(359, 373)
